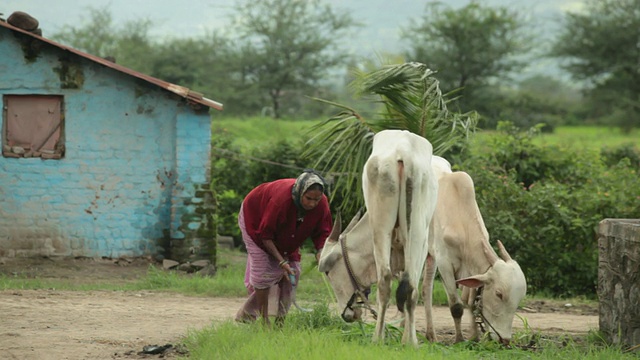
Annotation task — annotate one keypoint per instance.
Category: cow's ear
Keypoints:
(473, 281)
(327, 261)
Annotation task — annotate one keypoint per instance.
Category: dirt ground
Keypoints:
(53, 324)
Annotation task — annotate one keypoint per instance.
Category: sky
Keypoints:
(381, 19)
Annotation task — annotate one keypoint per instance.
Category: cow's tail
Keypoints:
(403, 292)
(405, 288)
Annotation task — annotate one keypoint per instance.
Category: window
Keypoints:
(33, 126)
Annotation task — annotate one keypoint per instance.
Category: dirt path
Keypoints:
(51, 324)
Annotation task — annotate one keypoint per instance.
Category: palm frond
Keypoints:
(352, 136)
(410, 99)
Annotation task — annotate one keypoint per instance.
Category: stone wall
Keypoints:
(619, 280)
(195, 236)
(192, 204)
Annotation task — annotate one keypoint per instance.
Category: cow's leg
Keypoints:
(468, 297)
(409, 335)
(382, 255)
(455, 303)
(427, 296)
(380, 185)
(415, 255)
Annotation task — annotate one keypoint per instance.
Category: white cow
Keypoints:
(349, 260)
(400, 193)
(463, 255)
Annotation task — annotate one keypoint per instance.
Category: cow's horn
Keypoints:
(335, 231)
(503, 252)
(353, 222)
(490, 254)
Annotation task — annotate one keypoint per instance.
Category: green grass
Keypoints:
(25, 282)
(228, 282)
(320, 335)
(572, 137)
(590, 136)
(249, 132)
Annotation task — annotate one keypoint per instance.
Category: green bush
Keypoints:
(613, 155)
(546, 207)
(228, 170)
(234, 173)
(513, 149)
(543, 201)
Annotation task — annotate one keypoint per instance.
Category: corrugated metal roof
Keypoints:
(182, 91)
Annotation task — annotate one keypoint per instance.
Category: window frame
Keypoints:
(45, 121)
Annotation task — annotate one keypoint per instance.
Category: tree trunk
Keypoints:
(275, 101)
(619, 280)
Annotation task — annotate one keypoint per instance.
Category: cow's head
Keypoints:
(357, 238)
(504, 286)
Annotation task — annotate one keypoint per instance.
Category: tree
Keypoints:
(129, 46)
(288, 45)
(410, 99)
(600, 45)
(539, 99)
(469, 46)
(96, 36)
(209, 64)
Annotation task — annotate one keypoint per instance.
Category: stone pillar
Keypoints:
(619, 280)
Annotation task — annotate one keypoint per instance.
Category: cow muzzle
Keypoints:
(496, 335)
(351, 315)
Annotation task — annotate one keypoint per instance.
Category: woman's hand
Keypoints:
(290, 273)
(287, 268)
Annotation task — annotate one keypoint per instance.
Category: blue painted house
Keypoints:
(99, 160)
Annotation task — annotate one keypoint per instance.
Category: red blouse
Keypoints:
(270, 214)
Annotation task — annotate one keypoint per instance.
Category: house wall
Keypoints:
(193, 232)
(120, 189)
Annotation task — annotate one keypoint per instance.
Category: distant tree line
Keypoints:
(280, 53)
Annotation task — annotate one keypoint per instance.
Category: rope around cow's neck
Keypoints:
(361, 291)
(480, 319)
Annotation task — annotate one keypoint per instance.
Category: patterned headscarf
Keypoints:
(302, 184)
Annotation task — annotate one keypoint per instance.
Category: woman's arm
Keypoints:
(273, 251)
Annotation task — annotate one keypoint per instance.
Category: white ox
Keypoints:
(400, 193)
(461, 251)
(460, 247)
